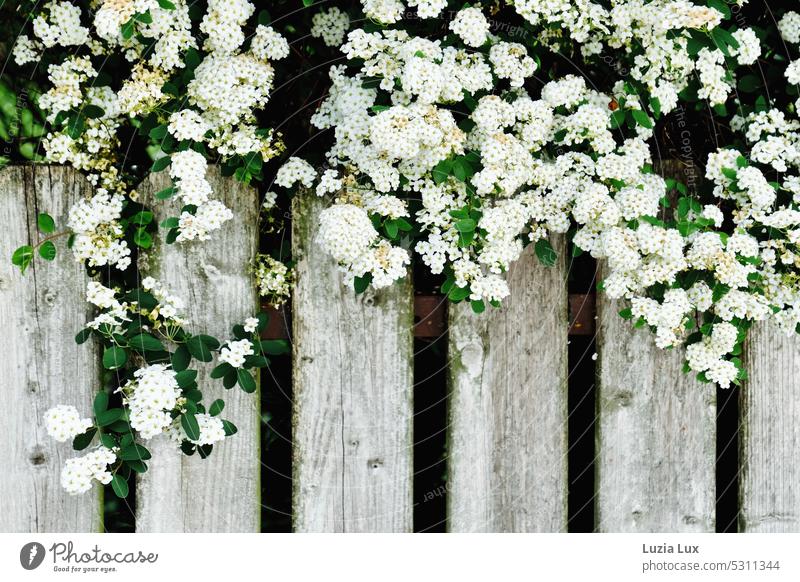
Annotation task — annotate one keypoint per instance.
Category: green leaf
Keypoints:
(255, 361)
(360, 284)
(46, 223)
(108, 440)
(114, 357)
(391, 228)
(618, 118)
(142, 238)
(186, 378)
(457, 294)
(216, 407)
(100, 404)
(441, 171)
(171, 222)
(478, 306)
(547, 255)
(221, 370)
(120, 486)
(465, 225)
(274, 347)
(642, 118)
(308, 3)
(83, 335)
(145, 342)
(93, 111)
(167, 193)
(199, 349)
(142, 218)
(626, 313)
(246, 380)
(190, 425)
(180, 359)
(83, 440)
(22, 257)
(721, 6)
(48, 250)
(229, 428)
(134, 452)
(161, 163)
(144, 17)
(127, 29)
(108, 417)
(230, 379)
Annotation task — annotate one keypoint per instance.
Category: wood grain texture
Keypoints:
(42, 365)
(507, 434)
(353, 386)
(656, 439)
(221, 493)
(770, 432)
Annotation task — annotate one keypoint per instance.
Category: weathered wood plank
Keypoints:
(507, 435)
(353, 385)
(42, 364)
(656, 441)
(221, 493)
(770, 432)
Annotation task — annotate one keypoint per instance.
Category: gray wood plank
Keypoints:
(42, 365)
(221, 493)
(507, 434)
(770, 432)
(656, 435)
(353, 388)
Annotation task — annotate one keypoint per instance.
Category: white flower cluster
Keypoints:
(274, 280)
(150, 396)
(188, 170)
(295, 170)
(63, 422)
(651, 37)
(98, 233)
(235, 352)
(211, 431)
(330, 25)
(169, 305)
(229, 85)
(347, 234)
(78, 473)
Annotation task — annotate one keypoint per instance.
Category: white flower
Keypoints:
(251, 324)
(63, 423)
(293, 171)
(78, 473)
(471, 25)
(331, 25)
(234, 352)
(268, 44)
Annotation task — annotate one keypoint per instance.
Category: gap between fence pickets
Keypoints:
(430, 317)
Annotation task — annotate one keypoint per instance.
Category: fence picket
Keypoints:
(656, 443)
(507, 439)
(42, 364)
(770, 433)
(221, 493)
(353, 384)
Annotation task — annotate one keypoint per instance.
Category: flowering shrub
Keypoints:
(455, 140)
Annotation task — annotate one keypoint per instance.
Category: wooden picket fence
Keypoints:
(353, 361)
